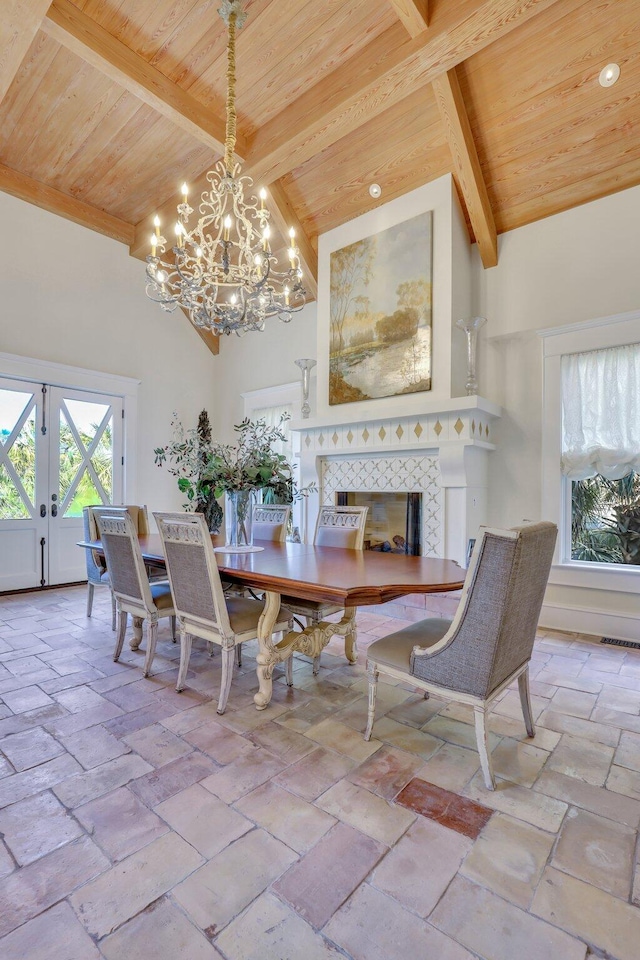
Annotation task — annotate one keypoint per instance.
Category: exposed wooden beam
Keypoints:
(414, 15)
(212, 340)
(468, 172)
(284, 216)
(74, 30)
(357, 92)
(20, 20)
(23, 187)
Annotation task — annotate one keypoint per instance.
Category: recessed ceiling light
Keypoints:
(375, 190)
(609, 75)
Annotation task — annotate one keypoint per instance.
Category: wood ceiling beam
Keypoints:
(414, 15)
(358, 91)
(20, 20)
(73, 29)
(23, 187)
(467, 170)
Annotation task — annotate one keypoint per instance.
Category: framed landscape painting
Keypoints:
(380, 310)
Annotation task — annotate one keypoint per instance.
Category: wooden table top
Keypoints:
(330, 574)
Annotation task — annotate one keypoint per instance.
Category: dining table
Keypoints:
(347, 578)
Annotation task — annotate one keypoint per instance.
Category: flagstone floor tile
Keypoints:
(136, 822)
(457, 813)
(596, 850)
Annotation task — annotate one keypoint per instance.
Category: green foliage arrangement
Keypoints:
(189, 452)
(252, 463)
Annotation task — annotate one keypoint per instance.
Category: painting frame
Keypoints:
(380, 313)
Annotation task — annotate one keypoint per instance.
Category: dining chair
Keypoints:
(270, 521)
(202, 608)
(477, 655)
(335, 527)
(97, 573)
(133, 592)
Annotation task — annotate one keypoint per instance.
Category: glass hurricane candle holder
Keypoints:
(306, 365)
(471, 327)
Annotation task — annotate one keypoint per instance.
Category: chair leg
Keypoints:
(372, 677)
(227, 674)
(90, 589)
(483, 747)
(122, 629)
(152, 639)
(211, 648)
(525, 700)
(113, 610)
(288, 670)
(173, 629)
(239, 654)
(185, 654)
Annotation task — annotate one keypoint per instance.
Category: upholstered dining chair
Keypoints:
(202, 608)
(488, 644)
(335, 527)
(133, 592)
(270, 521)
(97, 573)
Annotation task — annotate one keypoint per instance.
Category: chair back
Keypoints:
(119, 538)
(494, 628)
(341, 527)
(270, 521)
(96, 564)
(193, 571)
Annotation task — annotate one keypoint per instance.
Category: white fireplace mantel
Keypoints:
(452, 437)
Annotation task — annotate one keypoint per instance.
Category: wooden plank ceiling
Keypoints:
(106, 106)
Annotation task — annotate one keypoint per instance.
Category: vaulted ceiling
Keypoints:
(107, 106)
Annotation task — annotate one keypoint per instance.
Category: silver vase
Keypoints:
(471, 327)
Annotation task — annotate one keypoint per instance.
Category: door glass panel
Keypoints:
(71, 460)
(102, 460)
(85, 495)
(22, 454)
(12, 404)
(12, 505)
(86, 455)
(17, 450)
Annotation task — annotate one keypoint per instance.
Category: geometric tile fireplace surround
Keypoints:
(441, 452)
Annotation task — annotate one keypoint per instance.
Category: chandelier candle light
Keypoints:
(223, 273)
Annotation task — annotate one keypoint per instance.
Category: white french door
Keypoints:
(60, 450)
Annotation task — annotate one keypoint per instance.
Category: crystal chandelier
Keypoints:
(222, 272)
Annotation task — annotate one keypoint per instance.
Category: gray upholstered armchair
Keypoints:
(488, 644)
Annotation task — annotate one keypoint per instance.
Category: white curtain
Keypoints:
(601, 413)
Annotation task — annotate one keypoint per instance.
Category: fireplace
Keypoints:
(394, 520)
(437, 457)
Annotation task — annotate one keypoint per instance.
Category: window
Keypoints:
(591, 451)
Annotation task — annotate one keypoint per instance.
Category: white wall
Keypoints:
(572, 267)
(71, 296)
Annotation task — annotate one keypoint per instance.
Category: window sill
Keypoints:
(596, 576)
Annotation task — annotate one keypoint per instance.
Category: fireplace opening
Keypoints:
(394, 521)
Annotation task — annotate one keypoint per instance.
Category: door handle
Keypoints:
(43, 510)
(54, 509)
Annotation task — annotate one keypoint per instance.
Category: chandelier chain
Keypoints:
(230, 140)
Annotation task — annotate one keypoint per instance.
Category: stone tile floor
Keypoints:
(135, 822)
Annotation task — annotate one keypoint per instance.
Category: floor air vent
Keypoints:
(621, 643)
